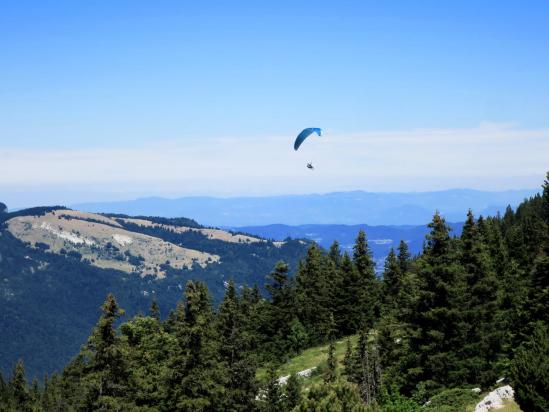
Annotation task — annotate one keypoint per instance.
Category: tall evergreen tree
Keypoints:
(331, 372)
(19, 393)
(282, 309)
(273, 400)
(346, 299)
(335, 253)
(105, 381)
(545, 197)
(480, 334)
(292, 392)
(236, 354)
(434, 322)
(403, 256)
(195, 382)
(313, 293)
(392, 275)
(368, 289)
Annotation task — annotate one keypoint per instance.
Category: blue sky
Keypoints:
(114, 81)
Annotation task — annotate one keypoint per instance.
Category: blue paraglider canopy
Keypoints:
(304, 134)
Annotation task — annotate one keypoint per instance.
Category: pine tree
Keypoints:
(346, 299)
(545, 197)
(331, 372)
(348, 359)
(292, 392)
(480, 335)
(19, 392)
(403, 256)
(335, 254)
(236, 354)
(282, 308)
(391, 280)
(155, 310)
(100, 370)
(313, 293)
(434, 322)
(273, 400)
(368, 287)
(365, 368)
(530, 371)
(195, 382)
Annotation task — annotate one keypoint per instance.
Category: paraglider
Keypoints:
(305, 133)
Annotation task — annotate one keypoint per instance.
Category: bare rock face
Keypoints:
(495, 399)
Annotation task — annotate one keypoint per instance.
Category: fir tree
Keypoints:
(403, 256)
(545, 199)
(391, 280)
(335, 254)
(195, 382)
(367, 288)
(282, 308)
(18, 390)
(481, 338)
(292, 392)
(348, 359)
(105, 381)
(235, 351)
(331, 372)
(434, 320)
(155, 310)
(530, 371)
(273, 400)
(313, 293)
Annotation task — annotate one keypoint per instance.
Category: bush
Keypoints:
(452, 400)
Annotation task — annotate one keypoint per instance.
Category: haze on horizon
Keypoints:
(104, 101)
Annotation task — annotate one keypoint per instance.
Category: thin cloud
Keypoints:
(490, 156)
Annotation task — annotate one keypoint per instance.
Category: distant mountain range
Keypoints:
(349, 208)
(380, 238)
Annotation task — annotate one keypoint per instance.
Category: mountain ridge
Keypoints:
(352, 207)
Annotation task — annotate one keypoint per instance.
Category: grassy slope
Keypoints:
(310, 358)
(315, 356)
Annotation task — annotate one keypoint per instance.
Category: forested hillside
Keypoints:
(57, 266)
(467, 311)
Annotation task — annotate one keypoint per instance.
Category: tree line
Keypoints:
(465, 312)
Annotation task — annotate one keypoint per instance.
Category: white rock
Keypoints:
(475, 390)
(283, 380)
(494, 400)
(122, 240)
(306, 373)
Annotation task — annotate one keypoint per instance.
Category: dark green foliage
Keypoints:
(403, 256)
(19, 395)
(435, 318)
(313, 293)
(465, 311)
(3, 208)
(452, 400)
(236, 353)
(331, 370)
(292, 391)
(530, 371)
(392, 279)
(368, 288)
(196, 377)
(336, 397)
(273, 400)
(61, 294)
